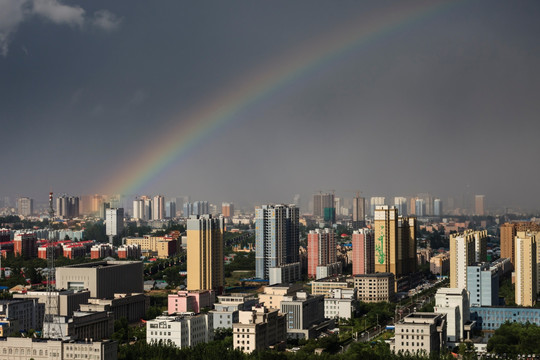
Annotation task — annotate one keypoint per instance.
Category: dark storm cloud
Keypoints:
(442, 105)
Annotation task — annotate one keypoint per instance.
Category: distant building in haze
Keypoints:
(25, 206)
(437, 207)
(479, 204)
(67, 207)
(400, 203)
(158, 207)
(358, 212)
(227, 209)
(323, 205)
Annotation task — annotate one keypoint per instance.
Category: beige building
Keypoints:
(375, 287)
(395, 242)
(38, 349)
(526, 270)
(325, 286)
(102, 278)
(155, 245)
(420, 333)
(258, 329)
(462, 254)
(479, 205)
(205, 267)
(274, 294)
(440, 264)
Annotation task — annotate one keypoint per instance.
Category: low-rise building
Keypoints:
(31, 348)
(129, 252)
(67, 301)
(284, 274)
(332, 269)
(420, 333)
(489, 319)
(180, 330)
(326, 285)
(226, 310)
(341, 304)
(81, 325)
(22, 314)
(258, 329)
(375, 287)
(454, 303)
(133, 307)
(190, 301)
(273, 294)
(304, 314)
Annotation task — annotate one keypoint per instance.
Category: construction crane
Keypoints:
(51, 324)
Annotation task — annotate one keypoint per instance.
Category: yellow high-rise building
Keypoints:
(395, 242)
(205, 253)
(526, 270)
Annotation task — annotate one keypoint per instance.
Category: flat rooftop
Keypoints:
(101, 264)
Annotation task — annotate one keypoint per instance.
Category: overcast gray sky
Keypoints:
(447, 103)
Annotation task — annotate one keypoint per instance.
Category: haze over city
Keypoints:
(263, 100)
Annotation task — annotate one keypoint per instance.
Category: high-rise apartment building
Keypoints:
(374, 202)
(437, 207)
(170, 208)
(67, 207)
(323, 204)
(205, 248)
(400, 203)
(142, 208)
(227, 209)
(358, 212)
(321, 249)
(395, 242)
(25, 244)
(114, 222)
(508, 237)
(363, 252)
(526, 270)
(158, 207)
(420, 207)
(465, 249)
(479, 204)
(25, 206)
(276, 237)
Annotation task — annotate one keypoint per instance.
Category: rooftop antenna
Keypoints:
(51, 324)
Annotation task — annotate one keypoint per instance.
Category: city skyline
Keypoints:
(248, 101)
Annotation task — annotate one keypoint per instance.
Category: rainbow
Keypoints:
(261, 84)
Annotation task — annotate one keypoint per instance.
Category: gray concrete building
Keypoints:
(67, 301)
(133, 307)
(102, 278)
(22, 314)
(81, 325)
(305, 313)
(226, 310)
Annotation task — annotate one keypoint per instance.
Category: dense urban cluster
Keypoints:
(348, 278)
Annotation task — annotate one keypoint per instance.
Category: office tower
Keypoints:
(321, 249)
(420, 207)
(462, 254)
(227, 209)
(374, 202)
(526, 270)
(25, 206)
(114, 222)
(276, 237)
(395, 242)
(437, 207)
(358, 212)
(400, 203)
(323, 205)
(363, 252)
(158, 207)
(479, 204)
(170, 208)
(205, 248)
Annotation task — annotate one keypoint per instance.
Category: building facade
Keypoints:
(526, 270)
(258, 329)
(420, 333)
(276, 237)
(180, 331)
(375, 287)
(41, 349)
(205, 264)
(321, 249)
(363, 251)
